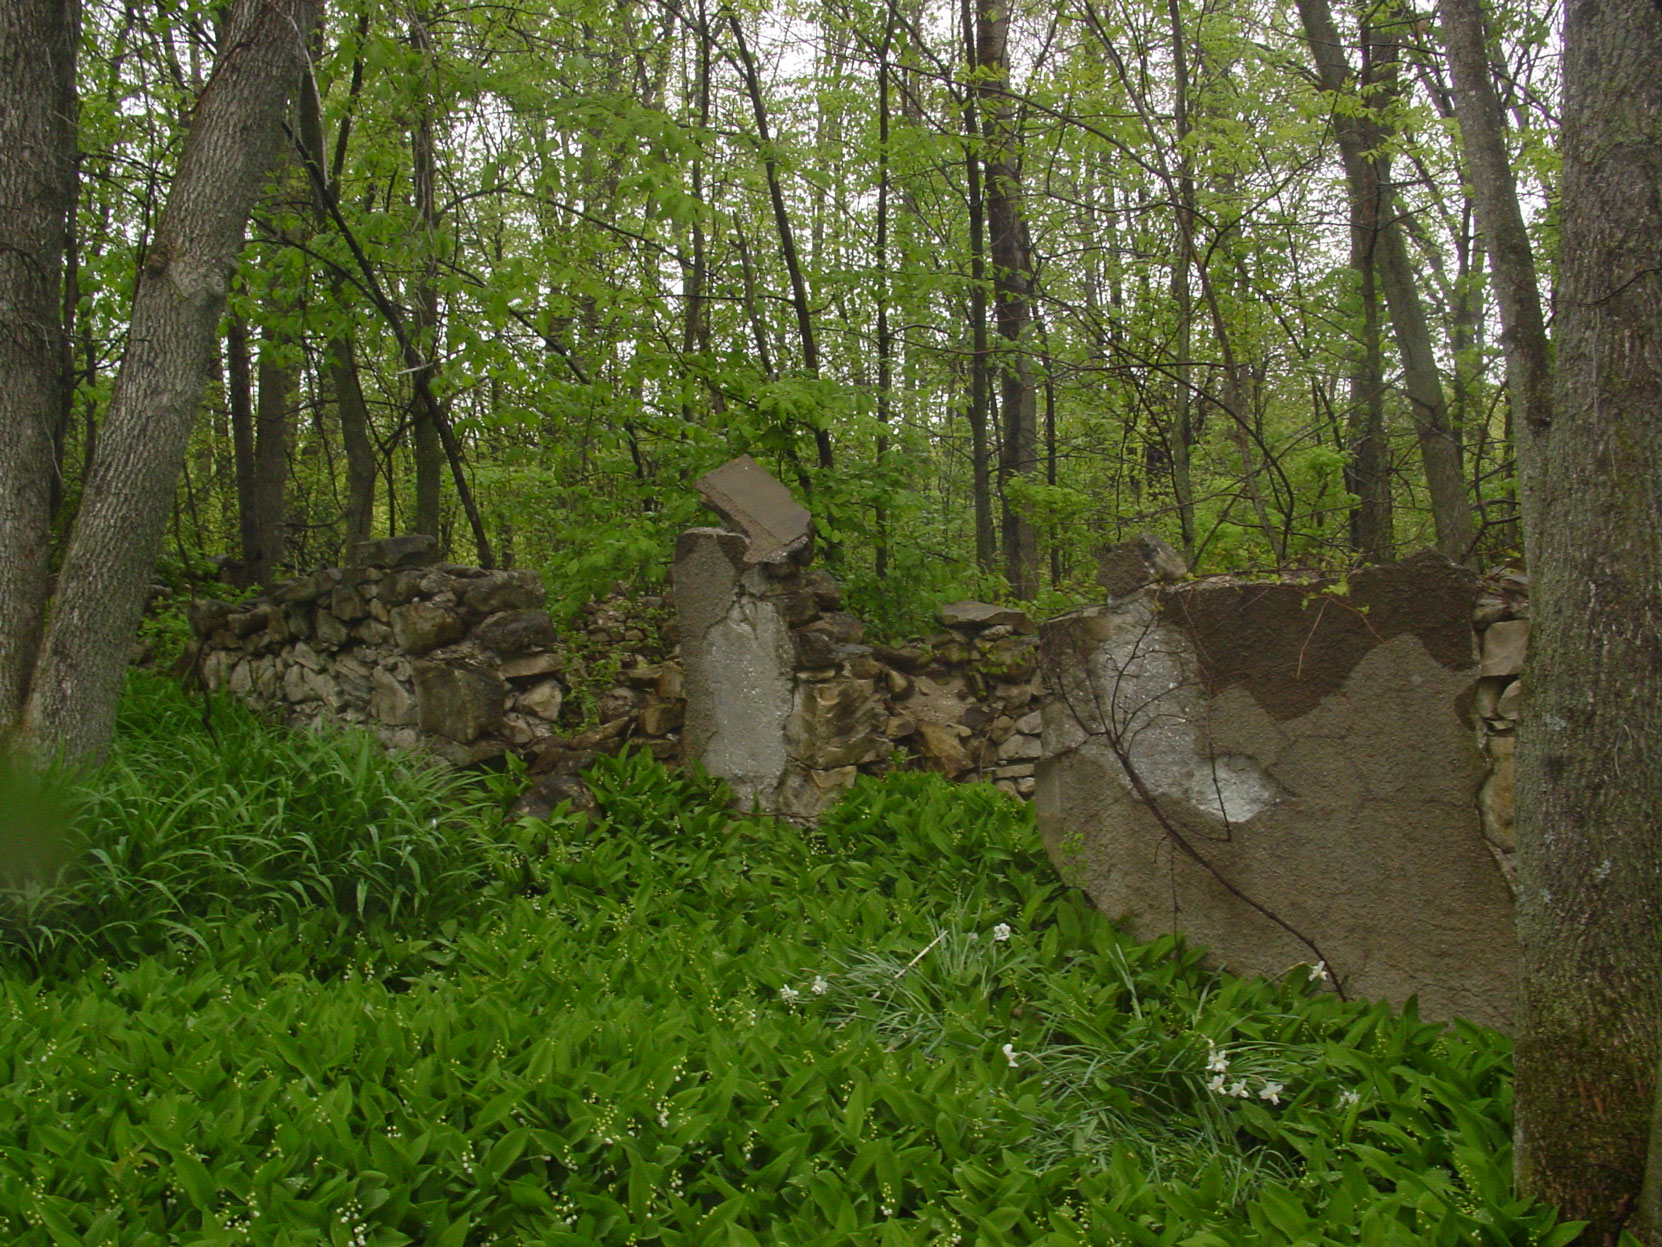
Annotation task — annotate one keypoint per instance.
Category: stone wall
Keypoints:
(455, 661)
(1290, 772)
(465, 665)
(788, 704)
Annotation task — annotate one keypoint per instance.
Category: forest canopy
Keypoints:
(987, 285)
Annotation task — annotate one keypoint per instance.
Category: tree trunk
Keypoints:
(979, 400)
(340, 358)
(38, 40)
(424, 324)
(176, 311)
(1494, 194)
(1589, 775)
(278, 375)
(1439, 451)
(1012, 290)
(1368, 474)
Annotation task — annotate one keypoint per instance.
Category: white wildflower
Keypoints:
(820, 986)
(1271, 1092)
(1216, 1086)
(1010, 1054)
(1002, 932)
(1239, 1090)
(1349, 1099)
(1218, 1063)
(788, 994)
(1318, 972)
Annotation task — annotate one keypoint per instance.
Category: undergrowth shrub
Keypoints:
(665, 1024)
(200, 821)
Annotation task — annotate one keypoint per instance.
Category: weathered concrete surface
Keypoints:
(737, 665)
(1319, 757)
(758, 505)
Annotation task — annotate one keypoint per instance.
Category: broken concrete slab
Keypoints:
(1129, 565)
(976, 616)
(755, 503)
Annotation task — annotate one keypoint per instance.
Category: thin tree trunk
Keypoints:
(341, 362)
(239, 397)
(176, 310)
(38, 41)
(278, 376)
(1439, 451)
(1012, 291)
(1589, 776)
(787, 238)
(1180, 437)
(885, 339)
(981, 490)
(1494, 193)
(1367, 474)
(429, 450)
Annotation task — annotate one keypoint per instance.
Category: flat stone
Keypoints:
(978, 615)
(942, 750)
(1505, 645)
(806, 794)
(836, 724)
(421, 626)
(458, 702)
(348, 603)
(544, 700)
(1128, 566)
(1510, 704)
(329, 632)
(1019, 749)
(660, 718)
(305, 656)
(504, 591)
(530, 665)
(512, 633)
(307, 588)
(752, 501)
(412, 550)
(908, 657)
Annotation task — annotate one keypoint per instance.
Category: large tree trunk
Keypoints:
(1439, 451)
(1589, 774)
(176, 309)
(1494, 194)
(37, 193)
(1012, 290)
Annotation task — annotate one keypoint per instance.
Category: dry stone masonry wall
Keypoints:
(465, 665)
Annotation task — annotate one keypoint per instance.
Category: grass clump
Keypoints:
(669, 1025)
(195, 824)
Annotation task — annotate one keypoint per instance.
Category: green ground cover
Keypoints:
(292, 992)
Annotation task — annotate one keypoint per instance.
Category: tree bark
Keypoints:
(1589, 776)
(176, 310)
(341, 359)
(424, 321)
(1012, 290)
(979, 399)
(1494, 193)
(37, 194)
(1368, 474)
(1439, 451)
